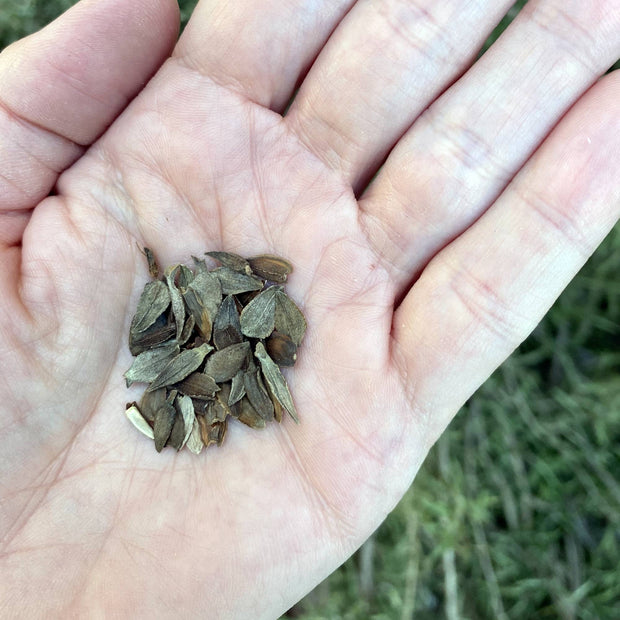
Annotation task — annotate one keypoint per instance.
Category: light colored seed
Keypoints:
(135, 417)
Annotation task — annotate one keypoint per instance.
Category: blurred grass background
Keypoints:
(516, 512)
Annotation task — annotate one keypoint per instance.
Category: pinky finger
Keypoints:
(481, 296)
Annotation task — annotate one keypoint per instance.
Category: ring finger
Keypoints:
(383, 65)
(461, 154)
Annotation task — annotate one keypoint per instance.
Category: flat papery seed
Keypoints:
(257, 395)
(194, 443)
(275, 380)
(221, 398)
(277, 406)
(248, 415)
(149, 364)
(232, 261)
(216, 411)
(185, 277)
(204, 429)
(200, 406)
(151, 402)
(270, 267)
(212, 433)
(199, 265)
(289, 319)
(244, 299)
(258, 317)
(235, 409)
(202, 319)
(178, 307)
(162, 427)
(218, 432)
(223, 365)
(180, 367)
(154, 301)
(203, 299)
(209, 290)
(185, 407)
(152, 337)
(226, 326)
(177, 434)
(198, 385)
(135, 417)
(234, 283)
(237, 389)
(188, 330)
(224, 393)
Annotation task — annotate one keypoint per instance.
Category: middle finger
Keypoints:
(383, 65)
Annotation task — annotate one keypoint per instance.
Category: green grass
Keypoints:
(516, 512)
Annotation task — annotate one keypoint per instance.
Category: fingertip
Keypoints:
(78, 73)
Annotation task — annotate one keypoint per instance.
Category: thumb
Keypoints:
(61, 87)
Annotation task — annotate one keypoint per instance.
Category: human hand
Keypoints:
(415, 288)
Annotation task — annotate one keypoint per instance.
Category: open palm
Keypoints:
(414, 288)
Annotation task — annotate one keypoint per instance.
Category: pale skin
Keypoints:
(498, 181)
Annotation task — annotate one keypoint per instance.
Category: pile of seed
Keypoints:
(210, 343)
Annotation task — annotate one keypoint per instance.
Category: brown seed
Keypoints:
(234, 282)
(258, 317)
(248, 415)
(226, 327)
(202, 320)
(188, 330)
(198, 385)
(203, 298)
(149, 364)
(244, 299)
(162, 427)
(223, 365)
(176, 299)
(184, 278)
(219, 432)
(216, 433)
(289, 319)
(216, 411)
(151, 402)
(275, 380)
(235, 408)
(277, 406)
(185, 407)
(154, 300)
(224, 393)
(199, 265)
(177, 434)
(155, 335)
(237, 389)
(281, 349)
(194, 442)
(211, 433)
(232, 261)
(204, 429)
(180, 367)
(270, 267)
(154, 271)
(257, 395)
(200, 405)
